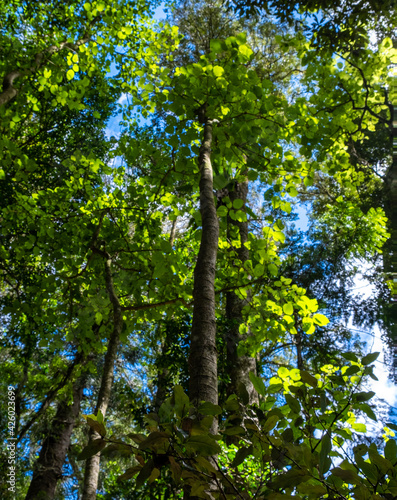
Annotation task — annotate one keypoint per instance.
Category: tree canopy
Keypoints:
(153, 283)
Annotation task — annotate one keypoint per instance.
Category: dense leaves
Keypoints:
(103, 237)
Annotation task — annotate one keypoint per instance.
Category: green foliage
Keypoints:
(68, 207)
(282, 451)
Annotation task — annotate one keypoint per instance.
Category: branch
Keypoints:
(50, 397)
(9, 91)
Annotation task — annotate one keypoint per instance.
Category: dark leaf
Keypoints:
(241, 455)
(205, 445)
(370, 358)
(129, 473)
(92, 448)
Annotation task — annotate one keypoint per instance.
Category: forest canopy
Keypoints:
(170, 327)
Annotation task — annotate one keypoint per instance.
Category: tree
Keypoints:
(119, 250)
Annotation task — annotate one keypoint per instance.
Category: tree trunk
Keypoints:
(48, 468)
(297, 339)
(162, 378)
(92, 464)
(239, 367)
(203, 354)
(390, 248)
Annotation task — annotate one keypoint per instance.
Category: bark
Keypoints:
(48, 468)
(298, 344)
(239, 367)
(50, 396)
(173, 232)
(390, 248)
(203, 354)
(92, 464)
(162, 378)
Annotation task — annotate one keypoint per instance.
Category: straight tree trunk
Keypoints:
(48, 468)
(92, 464)
(203, 354)
(239, 367)
(390, 248)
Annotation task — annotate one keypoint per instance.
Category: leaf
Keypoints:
(352, 370)
(176, 469)
(93, 447)
(145, 473)
(181, 401)
(293, 403)
(291, 478)
(270, 423)
(218, 71)
(237, 204)
(273, 269)
(349, 476)
(154, 440)
(382, 463)
(243, 393)
(221, 211)
(99, 427)
(258, 384)
(233, 431)
(349, 356)
(119, 449)
(210, 409)
(155, 474)
(216, 46)
(70, 74)
(359, 427)
(205, 445)
(259, 269)
(326, 447)
(391, 451)
(232, 404)
(307, 325)
(288, 309)
(205, 465)
(370, 358)
(138, 438)
(308, 379)
(363, 396)
(129, 473)
(241, 455)
(368, 411)
(320, 319)
(314, 490)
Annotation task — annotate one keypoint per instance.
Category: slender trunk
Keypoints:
(203, 354)
(239, 367)
(390, 248)
(162, 378)
(298, 344)
(173, 232)
(48, 468)
(92, 464)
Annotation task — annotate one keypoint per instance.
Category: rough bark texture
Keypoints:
(203, 354)
(239, 367)
(50, 396)
(48, 468)
(92, 464)
(390, 249)
(299, 358)
(162, 379)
